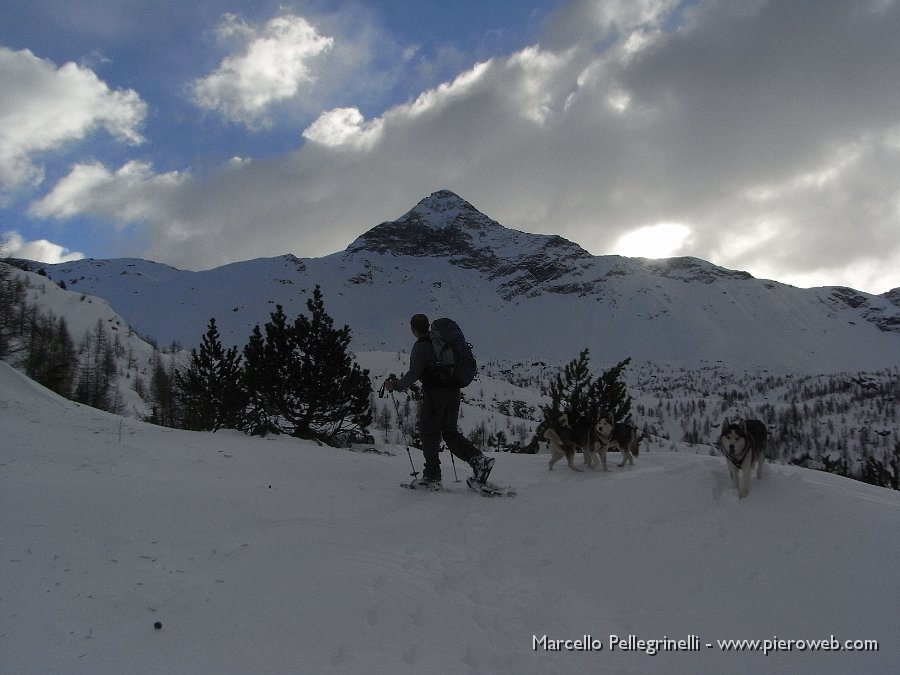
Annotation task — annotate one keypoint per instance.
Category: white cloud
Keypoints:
(272, 64)
(348, 126)
(43, 108)
(343, 126)
(749, 125)
(13, 245)
(539, 71)
(446, 93)
(133, 193)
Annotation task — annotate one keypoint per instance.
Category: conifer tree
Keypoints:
(336, 399)
(7, 306)
(211, 390)
(384, 421)
(14, 311)
(301, 380)
(569, 391)
(163, 401)
(609, 396)
(581, 397)
(50, 357)
(270, 377)
(95, 377)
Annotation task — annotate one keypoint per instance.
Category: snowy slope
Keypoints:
(278, 556)
(834, 421)
(83, 314)
(517, 296)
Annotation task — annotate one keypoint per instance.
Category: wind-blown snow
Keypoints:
(279, 556)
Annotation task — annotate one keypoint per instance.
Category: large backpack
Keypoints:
(455, 361)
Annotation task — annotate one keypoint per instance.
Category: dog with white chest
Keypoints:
(743, 442)
(565, 439)
(619, 436)
(593, 439)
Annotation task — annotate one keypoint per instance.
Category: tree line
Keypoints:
(842, 423)
(41, 344)
(296, 377)
(293, 377)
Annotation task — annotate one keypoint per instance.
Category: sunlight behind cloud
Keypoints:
(653, 241)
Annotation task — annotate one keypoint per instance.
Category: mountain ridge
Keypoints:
(516, 294)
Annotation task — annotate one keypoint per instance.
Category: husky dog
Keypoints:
(559, 448)
(565, 439)
(743, 442)
(621, 437)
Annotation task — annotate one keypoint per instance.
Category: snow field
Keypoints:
(279, 556)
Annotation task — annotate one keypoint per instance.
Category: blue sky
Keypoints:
(762, 136)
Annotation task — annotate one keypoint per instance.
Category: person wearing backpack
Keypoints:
(439, 407)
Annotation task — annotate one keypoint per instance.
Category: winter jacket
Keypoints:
(422, 367)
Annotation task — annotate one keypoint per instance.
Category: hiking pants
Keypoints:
(438, 418)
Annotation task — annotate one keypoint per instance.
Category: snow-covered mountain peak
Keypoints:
(444, 225)
(443, 209)
(439, 225)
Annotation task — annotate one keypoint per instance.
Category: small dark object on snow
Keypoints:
(158, 625)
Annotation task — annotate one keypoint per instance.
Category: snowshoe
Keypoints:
(427, 484)
(482, 466)
(488, 489)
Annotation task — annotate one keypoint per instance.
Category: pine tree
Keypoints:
(211, 390)
(384, 421)
(8, 304)
(609, 396)
(95, 376)
(15, 312)
(52, 360)
(336, 399)
(581, 397)
(270, 377)
(302, 381)
(569, 391)
(163, 402)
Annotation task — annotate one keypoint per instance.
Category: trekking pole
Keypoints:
(453, 462)
(414, 474)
